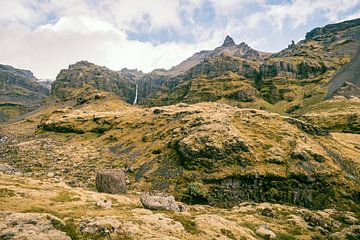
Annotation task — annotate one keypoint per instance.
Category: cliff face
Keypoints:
(85, 75)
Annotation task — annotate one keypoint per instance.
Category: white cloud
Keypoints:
(47, 35)
(300, 12)
(52, 47)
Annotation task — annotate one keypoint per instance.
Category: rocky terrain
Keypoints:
(232, 143)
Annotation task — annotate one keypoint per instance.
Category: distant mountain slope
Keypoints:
(228, 48)
(19, 92)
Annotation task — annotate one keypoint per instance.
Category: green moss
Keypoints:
(228, 233)
(285, 236)
(4, 192)
(195, 194)
(188, 223)
(65, 196)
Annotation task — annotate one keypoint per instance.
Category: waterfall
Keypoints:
(136, 95)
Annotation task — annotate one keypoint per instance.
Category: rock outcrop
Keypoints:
(228, 42)
(30, 226)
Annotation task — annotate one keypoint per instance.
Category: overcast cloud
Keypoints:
(48, 35)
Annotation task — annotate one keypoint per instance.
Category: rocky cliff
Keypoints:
(84, 75)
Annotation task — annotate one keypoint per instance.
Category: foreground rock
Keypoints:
(161, 202)
(29, 226)
(111, 181)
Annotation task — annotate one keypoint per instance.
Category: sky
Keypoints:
(46, 36)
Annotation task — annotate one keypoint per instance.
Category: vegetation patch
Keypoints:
(228, 233)
(4, 192)
(188, 223)
(65, 196)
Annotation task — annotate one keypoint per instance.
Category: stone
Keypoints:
(161, 202)
(50, 175)
(100, 225)
(30, 226)
(264, 231)
(104, 203)
(111, 181)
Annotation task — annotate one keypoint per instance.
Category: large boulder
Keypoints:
(161, 202)
(111, 181)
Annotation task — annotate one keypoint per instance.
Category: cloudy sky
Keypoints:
(48, 35)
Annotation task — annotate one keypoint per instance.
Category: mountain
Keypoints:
(286, 82)
(20, 92)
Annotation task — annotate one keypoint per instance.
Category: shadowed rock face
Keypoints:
(228, 41)
(347, 81)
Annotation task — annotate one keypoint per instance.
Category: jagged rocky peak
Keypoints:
(228, 41)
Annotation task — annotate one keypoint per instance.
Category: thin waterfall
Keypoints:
(136, 95)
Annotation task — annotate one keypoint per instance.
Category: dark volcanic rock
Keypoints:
(347, 81)
(228, 41)
(111, 181)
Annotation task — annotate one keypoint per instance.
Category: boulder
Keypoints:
(264, 231)
(111, 181)
(161, 202)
